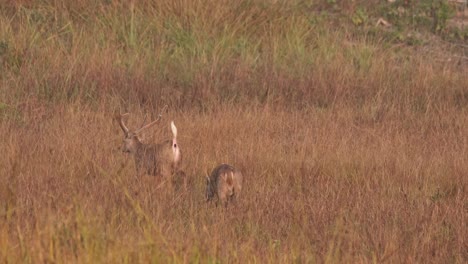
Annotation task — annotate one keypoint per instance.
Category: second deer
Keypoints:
(225, 182)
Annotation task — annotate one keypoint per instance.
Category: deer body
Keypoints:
(225, 183)
(161, 159)
(156, 159)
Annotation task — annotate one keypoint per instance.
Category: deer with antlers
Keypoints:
(161, 159)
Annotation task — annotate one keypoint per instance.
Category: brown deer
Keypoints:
(161, 159)
(225, 182)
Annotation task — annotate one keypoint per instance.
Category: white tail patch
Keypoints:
(175, 147)
(174, 129)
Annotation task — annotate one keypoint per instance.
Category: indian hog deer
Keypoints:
(225, 182)
(161, 159)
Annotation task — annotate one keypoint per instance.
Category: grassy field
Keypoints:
(353, 139)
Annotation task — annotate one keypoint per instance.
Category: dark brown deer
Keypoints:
(225, 183)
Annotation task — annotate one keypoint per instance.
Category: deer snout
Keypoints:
(124, 148)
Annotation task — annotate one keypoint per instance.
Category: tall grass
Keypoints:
(354, 149)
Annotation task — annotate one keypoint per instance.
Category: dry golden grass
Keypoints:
(353, 149)
(319, 186)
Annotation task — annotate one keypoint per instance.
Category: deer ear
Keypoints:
(207, 178)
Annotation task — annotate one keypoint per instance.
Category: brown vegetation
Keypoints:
(353, 148)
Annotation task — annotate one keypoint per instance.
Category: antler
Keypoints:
(152, 123)
(119, 118)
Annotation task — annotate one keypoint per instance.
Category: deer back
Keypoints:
(158, 159)
(224, 182)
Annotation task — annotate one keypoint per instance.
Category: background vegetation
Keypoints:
(353, 137)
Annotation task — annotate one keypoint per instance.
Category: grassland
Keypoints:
(353, 139)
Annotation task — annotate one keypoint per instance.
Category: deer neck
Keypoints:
(139, 148)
